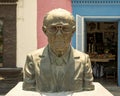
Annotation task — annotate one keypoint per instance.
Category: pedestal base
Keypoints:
(99, 91)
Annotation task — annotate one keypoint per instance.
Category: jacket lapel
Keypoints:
(77, 59)
(45, 65)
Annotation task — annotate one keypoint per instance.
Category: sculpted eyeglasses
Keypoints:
(53, 29)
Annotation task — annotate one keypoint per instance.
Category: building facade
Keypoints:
(21, 32)
(104, 15)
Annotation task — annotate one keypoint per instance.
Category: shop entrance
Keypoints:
(102, 44)
(98, 36)
(8, 34)
(1, 43)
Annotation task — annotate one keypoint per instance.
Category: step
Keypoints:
(8, 72)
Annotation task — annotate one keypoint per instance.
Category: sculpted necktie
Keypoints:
(60, 72)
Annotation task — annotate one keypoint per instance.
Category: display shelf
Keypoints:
(102, 36)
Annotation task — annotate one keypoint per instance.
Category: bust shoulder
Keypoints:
(83, 57)
(36, 52)
(77, 52)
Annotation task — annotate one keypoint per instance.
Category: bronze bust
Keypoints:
(58, 67)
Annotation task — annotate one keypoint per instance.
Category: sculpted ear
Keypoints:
(73, 29)
(44, 29)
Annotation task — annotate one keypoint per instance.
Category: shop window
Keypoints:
(102, 38)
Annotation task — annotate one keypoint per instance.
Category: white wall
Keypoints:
(26, 29)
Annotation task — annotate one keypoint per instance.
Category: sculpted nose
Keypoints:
(59, 35)
(59, 32)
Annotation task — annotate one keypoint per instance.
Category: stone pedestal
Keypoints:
(99, 91)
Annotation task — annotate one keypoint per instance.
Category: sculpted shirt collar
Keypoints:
(63, 59)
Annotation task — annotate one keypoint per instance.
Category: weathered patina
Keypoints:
(58, 67)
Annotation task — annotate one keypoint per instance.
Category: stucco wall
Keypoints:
(43, 6)
(30, 15)
(26, 29)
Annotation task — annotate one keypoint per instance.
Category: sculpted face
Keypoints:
(59, 28)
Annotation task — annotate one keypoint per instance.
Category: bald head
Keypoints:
(57, 15)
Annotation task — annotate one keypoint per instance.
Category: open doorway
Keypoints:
(1, 43)
(102, 44)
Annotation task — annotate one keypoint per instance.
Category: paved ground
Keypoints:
(8, 79)
(110, 85)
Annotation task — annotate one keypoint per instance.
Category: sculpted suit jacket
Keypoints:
(38, 74)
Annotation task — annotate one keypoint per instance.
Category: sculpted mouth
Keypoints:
(59, 44)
